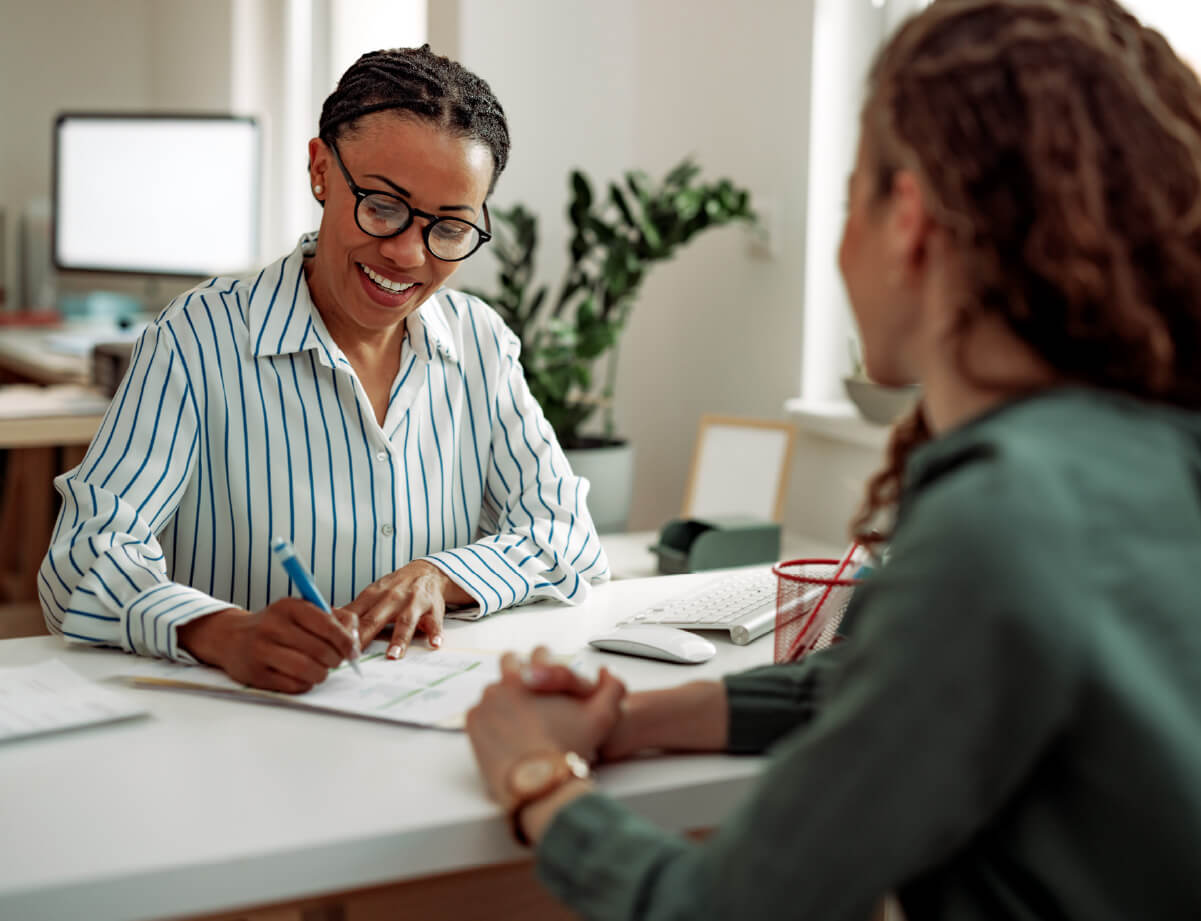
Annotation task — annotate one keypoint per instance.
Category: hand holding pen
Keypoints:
(287, 558)
(289, 646)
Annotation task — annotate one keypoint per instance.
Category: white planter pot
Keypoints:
(609, 469)
(880, 405)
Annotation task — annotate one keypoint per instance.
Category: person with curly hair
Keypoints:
(1012, 728)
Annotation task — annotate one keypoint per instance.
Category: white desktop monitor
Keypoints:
(156, 194)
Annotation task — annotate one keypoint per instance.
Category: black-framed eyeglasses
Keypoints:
(383, 214)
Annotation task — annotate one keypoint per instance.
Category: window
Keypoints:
(1179, 22)
(846, 35)
(287, 57)
(359, 26)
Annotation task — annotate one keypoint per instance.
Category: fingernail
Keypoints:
(395, 651)
(532, 674)
(436, 640)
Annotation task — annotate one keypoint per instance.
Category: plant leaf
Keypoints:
(612, 245)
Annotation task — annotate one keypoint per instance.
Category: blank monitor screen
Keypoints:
(156, 194)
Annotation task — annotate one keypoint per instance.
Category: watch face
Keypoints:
(533, 774)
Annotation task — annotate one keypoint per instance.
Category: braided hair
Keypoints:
(429, 86)
(1058, 143)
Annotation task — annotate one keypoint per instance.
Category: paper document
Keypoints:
(428, 687)
(49, 696)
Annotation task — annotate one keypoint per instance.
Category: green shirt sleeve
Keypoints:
(933, 713)
(768, 703)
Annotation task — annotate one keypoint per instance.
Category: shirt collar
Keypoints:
(280, 315)
(429, 330)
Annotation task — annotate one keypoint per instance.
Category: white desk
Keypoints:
(212, 805)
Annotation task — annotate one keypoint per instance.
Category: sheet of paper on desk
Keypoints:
(49, 696)
(426, 688)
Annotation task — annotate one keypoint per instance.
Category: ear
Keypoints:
(909, 224)
(319, 164)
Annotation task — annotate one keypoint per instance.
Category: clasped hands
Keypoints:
(537, 706)
(291, 645)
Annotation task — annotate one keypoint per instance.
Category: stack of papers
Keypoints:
(49, 697)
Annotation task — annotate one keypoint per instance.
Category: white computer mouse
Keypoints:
(655, 641)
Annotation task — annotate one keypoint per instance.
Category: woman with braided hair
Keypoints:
(343, 399)
(1012, 729)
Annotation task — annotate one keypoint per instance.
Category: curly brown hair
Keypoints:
(1058, 144)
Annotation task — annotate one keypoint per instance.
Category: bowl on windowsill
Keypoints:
(877, 404)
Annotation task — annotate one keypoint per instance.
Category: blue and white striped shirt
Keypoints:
(241, 420)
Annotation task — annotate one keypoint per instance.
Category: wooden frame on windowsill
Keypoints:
(730, 449)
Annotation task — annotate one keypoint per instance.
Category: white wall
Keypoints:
(564, 72)
(189, 53)
(258, 68)
(641, 84)
(393, 24)
(719, 329)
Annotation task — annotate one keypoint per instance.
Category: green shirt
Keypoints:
(1013, 728)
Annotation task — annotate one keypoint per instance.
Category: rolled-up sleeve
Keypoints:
(104, 578)
(544, 544)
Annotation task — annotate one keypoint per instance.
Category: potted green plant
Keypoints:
(614, 242)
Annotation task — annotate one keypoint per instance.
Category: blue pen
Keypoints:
(287, 557)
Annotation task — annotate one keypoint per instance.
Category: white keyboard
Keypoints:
(742, 603)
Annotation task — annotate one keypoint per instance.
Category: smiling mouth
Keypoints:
(384, 284)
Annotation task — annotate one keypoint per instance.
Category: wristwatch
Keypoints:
(537, 775)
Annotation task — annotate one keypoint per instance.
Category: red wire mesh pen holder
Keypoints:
(810, 603)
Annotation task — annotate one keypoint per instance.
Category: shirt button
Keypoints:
(387, 530)
(381, 456)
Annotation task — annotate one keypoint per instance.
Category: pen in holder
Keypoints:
(811, 598)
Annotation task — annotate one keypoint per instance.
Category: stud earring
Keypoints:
(318, 189)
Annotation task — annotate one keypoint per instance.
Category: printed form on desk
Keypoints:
(428, 687)
(49, 697)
